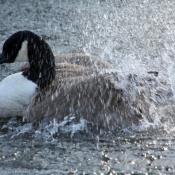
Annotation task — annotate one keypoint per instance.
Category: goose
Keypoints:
(53, 87)
(42, 90)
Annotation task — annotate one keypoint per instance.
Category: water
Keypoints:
(135, 36)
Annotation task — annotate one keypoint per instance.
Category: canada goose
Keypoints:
(80, 87)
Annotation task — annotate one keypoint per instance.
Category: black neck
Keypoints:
(41, 60)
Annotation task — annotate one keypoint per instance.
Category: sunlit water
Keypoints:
(135, 36)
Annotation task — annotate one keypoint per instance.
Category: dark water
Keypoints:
(107, 154)
(136, 36)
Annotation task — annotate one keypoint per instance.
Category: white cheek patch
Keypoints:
(23, 53)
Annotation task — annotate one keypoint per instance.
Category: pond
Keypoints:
(135, 37)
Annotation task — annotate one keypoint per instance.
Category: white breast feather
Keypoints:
(16, 93)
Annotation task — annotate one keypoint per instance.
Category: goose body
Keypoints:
(73, 84)
(54, 93)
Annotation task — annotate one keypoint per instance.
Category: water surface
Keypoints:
(135, 36)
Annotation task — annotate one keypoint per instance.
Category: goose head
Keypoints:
(25, 45)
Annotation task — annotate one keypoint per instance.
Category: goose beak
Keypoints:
(3, 59)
